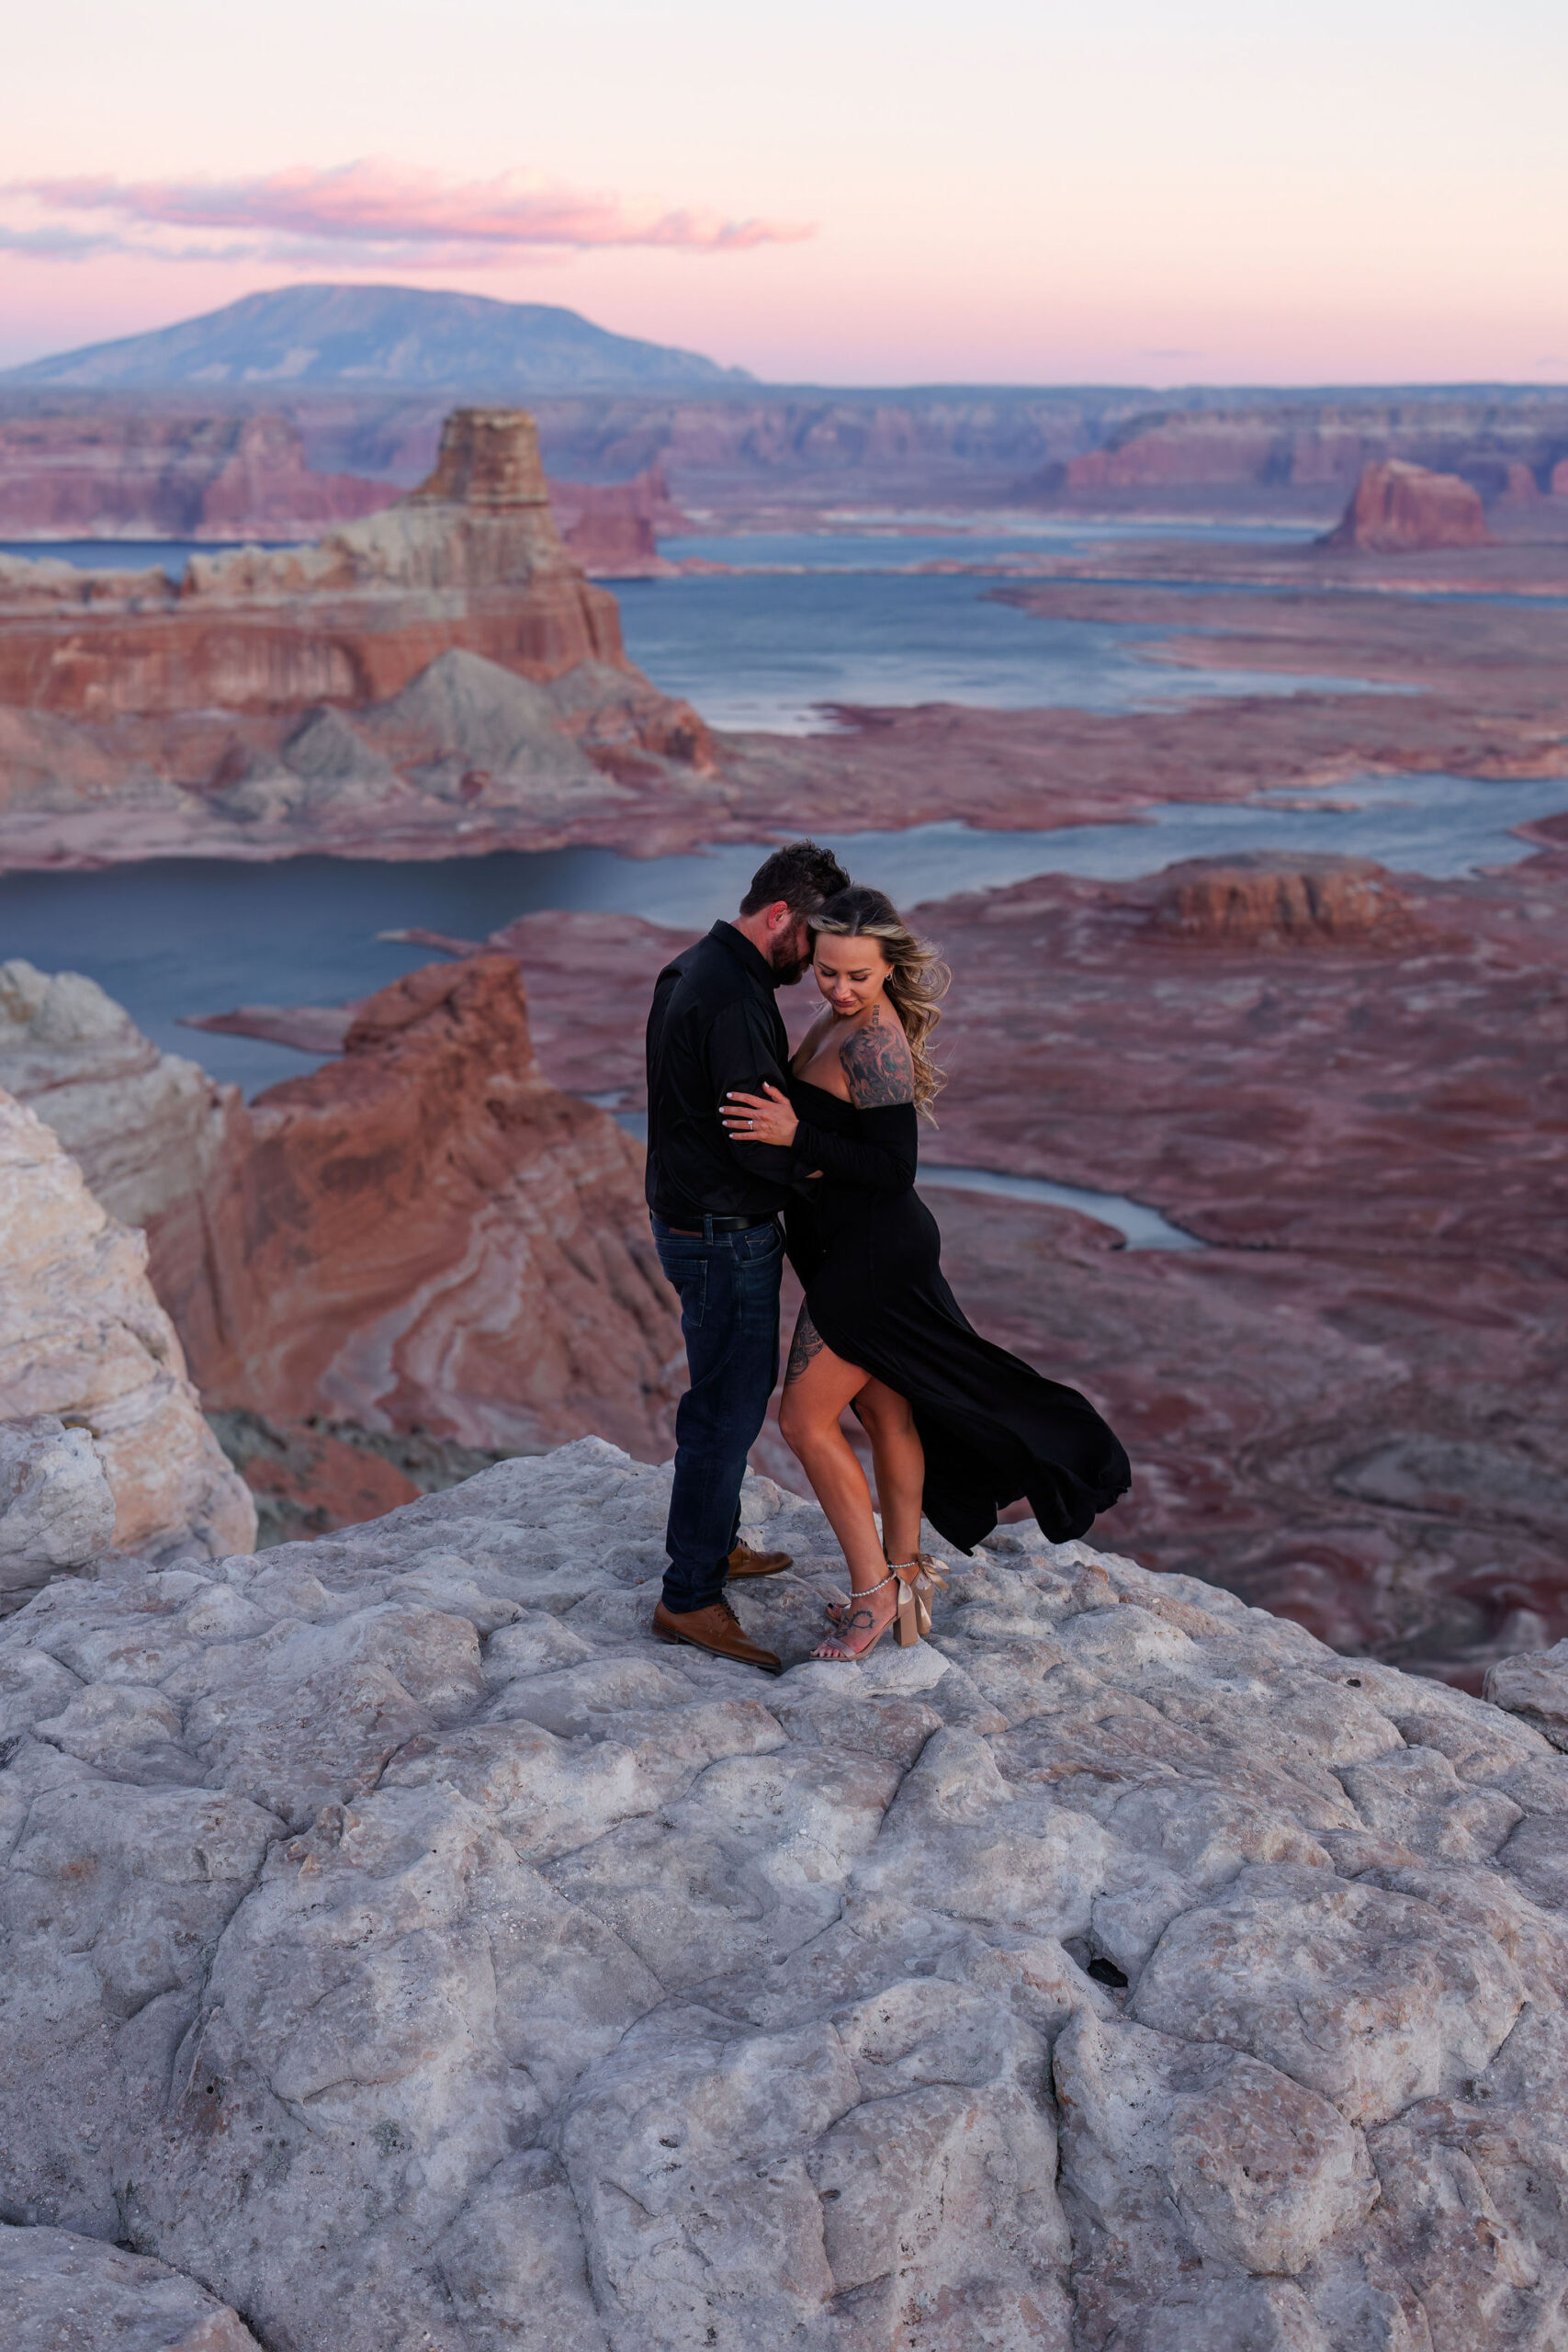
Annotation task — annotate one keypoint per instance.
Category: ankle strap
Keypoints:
(868, 1588)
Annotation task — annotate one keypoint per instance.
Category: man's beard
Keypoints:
(789, 959)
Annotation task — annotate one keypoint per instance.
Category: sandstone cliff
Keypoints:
(439, 676)
(613, 529)
(470, 558)
(427, 1233)
(1298, 444)
(1398, 509)
(425, 1240)
(399, 1945)
(83, 1341)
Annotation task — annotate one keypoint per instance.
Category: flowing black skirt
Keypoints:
(994, 1430)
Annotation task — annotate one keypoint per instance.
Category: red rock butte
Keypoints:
(471, 559)
(1398, 509)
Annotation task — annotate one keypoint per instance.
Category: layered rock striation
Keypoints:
(86, 1353)
(404, 1949)
(147, 1129)
(427, 1233)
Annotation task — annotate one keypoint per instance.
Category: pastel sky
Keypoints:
(832, 191)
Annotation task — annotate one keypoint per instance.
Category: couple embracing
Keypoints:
(740, 1135)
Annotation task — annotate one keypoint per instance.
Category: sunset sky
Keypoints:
(1025, 191)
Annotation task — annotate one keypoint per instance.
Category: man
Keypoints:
(715, 1026)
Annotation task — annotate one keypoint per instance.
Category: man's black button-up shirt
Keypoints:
(714, 1026)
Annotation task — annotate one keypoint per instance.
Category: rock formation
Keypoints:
(400, 1946)
(612, 527)
(66, 2293)
(147, 1129)
(428, 1234)
(470, 558)
(1398, 509)
(83, 1341)
(424, 1241)
(271, 693)
(1261, 900)
(57, 1507)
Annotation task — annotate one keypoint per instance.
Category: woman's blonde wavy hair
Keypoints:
(918, 977)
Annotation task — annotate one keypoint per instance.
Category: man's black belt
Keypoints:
(720, 1225)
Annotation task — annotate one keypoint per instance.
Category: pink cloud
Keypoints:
(376, 210)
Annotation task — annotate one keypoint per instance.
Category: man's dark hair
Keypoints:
(800, 874)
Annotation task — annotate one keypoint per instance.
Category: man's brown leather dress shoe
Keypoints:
(714, 1628)
(744, 1562)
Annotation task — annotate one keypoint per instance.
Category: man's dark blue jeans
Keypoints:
(729, 1315)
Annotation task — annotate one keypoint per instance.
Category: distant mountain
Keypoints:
(368, 338)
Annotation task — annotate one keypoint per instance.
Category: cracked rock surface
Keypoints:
(401, 1946)
(63, 2293)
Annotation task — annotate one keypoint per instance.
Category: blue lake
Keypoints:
(808, 618)
(767, 649)
(176, 936)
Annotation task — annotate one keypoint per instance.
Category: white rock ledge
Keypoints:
(403, 1947)
(61, 2294)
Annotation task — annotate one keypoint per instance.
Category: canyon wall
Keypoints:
(144, 465)
(1503, 448)
(613, 529)
(428, 1234)
(150, 473)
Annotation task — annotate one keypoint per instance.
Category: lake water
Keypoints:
(806, 618)
(768, 649)
(176, 936)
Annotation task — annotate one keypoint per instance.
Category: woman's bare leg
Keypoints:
(817, 1386)
(899, 1460)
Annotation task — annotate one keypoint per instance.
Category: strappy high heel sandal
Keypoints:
(844, 1620)
(916, 1580)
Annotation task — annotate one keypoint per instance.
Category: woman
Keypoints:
(958, 1428)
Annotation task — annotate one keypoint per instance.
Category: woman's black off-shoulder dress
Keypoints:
(869, 1256)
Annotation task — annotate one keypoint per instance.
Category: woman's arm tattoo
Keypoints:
(877, 1063)
(807, 1342)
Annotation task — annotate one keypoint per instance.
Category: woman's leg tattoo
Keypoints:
(807, 1342)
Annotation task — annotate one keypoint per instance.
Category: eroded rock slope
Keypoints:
(400, 1945)
(84, 1343)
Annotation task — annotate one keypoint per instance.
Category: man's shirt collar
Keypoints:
(751, 959)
